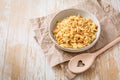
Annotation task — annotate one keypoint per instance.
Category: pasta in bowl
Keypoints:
(74, 30)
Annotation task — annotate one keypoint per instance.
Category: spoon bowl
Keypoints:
(81, 62)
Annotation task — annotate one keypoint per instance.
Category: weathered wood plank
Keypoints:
(4, 16)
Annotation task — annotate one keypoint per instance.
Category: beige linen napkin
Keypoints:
(110, 29)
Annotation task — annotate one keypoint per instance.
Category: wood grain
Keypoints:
(22, 59)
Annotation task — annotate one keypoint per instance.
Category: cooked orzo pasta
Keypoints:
(75, 32)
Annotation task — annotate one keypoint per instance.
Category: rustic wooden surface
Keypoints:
(21, 57)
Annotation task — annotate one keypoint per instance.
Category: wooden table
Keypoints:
(20, 55)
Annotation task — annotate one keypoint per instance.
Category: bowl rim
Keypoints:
(72, 49)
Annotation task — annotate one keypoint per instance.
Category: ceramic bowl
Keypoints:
(69, 12)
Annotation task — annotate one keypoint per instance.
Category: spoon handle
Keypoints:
(108, 46)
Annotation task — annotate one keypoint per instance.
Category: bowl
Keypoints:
(70, 12)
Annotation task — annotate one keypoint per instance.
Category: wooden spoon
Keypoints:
(87, 59)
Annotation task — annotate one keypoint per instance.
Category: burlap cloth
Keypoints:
(110, 29)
